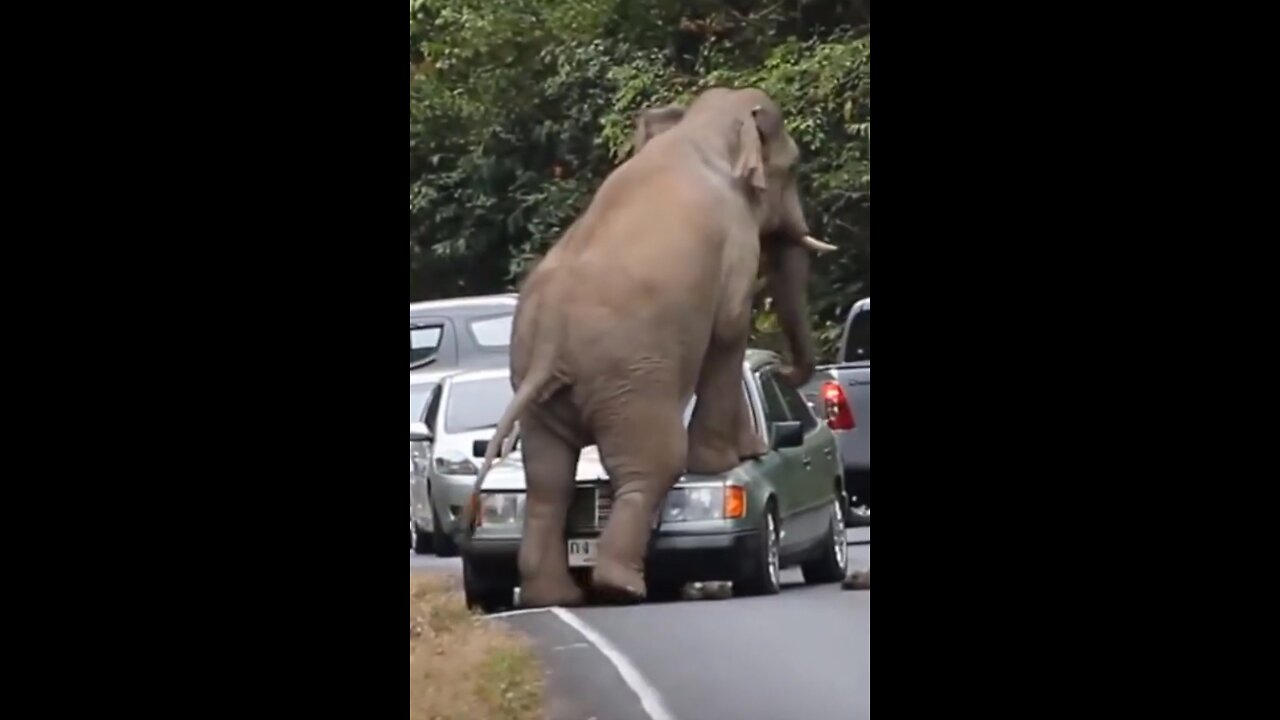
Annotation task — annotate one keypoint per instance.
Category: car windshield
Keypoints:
(418, 396)
(477, 404)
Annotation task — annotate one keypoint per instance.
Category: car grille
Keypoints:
(590, 509)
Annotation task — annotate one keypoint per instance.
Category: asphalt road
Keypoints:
(431, 563)
(805, 653)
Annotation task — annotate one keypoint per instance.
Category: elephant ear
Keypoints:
(750, 163)
(653, 122)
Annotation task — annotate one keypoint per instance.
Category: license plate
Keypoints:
(582, 553)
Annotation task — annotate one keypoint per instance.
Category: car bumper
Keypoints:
(449, 493)
(672, 558)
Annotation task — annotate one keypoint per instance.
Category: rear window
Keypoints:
(858, 344)
(494, 332)
(424, 343)
(418, 396)
(476, 404)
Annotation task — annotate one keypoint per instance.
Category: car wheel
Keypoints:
(484, 595)
(444, 542)
(420, 540)
(663, 591)
(833, 564)
(764, 567)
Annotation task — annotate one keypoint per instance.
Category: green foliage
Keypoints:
(522, 107)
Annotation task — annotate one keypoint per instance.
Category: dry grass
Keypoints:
(462, 667)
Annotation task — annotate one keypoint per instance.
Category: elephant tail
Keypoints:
(540, 382)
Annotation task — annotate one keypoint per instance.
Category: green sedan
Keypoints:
(784, 509)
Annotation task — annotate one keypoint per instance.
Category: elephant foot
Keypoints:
(565, 593)
(614, 582)
(858, 580)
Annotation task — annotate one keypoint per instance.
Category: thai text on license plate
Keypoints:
(582, 553)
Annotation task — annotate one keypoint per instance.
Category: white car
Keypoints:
(421, 525)
(464, 408)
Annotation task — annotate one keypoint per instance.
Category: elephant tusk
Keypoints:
(817, 245)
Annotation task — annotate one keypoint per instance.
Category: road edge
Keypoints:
(650, 698)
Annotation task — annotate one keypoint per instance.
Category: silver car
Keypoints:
(463, 409)
(421, 526)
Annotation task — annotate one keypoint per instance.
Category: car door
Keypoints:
(817, 481)
(419, 399)
(789, 480)
(422, 497)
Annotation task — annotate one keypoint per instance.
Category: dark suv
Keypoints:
(472, 331)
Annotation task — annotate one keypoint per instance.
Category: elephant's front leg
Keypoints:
(550, 464)
(644, 454)
(720, 431)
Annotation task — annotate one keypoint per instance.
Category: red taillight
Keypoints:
(836, 404)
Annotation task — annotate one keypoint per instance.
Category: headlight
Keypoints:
(456, 467)
(501, 508)
(689, 504)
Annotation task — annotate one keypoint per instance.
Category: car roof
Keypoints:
(423, 377)
(463, 302)
(482, 374)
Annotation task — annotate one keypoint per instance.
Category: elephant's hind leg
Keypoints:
(644, 453)
(720, 431)
(550, 464)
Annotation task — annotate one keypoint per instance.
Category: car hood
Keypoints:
(508, 473)
(459, 445)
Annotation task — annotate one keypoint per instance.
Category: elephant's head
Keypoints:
(744, 132)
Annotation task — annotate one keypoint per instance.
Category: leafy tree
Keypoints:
(519, 110)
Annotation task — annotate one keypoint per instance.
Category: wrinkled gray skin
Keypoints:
(646, 299)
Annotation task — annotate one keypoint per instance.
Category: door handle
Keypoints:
(826, 452)
(808, 462)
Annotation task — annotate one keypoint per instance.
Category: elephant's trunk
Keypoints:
(788, 281)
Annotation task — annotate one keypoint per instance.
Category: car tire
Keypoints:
(832, 565)
(664, 591)
(485, 596)
(422, 540)
(764, 568)
(445, 545)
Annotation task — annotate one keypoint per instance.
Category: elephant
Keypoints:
(643, 301)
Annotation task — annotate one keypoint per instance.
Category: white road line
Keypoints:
(650, 700)
(513, 613)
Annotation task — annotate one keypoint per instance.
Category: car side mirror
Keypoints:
(419, 432)
(479, 448)
(786, 435)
